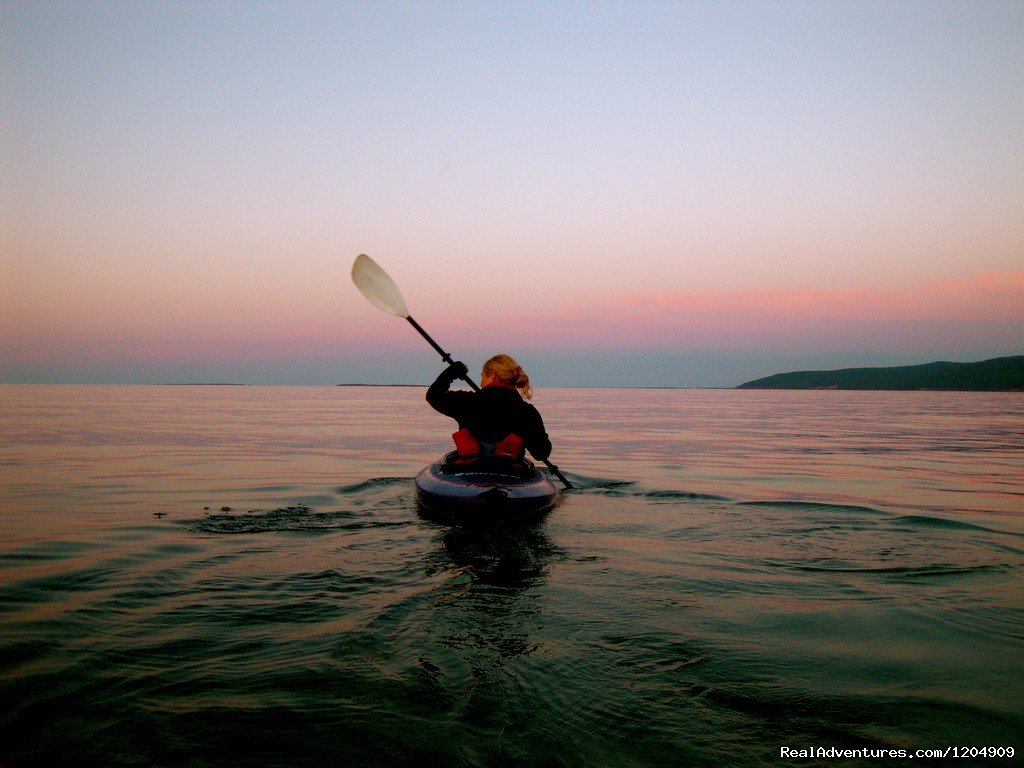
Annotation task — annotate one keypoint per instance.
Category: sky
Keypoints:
(616, 193)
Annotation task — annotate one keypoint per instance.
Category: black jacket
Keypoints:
(491, 414)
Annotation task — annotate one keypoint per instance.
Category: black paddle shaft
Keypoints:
(448, 359)
(444, 355)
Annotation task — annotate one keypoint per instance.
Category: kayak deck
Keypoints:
(484, 489)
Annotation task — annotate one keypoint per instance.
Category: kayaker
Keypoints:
(497, 420)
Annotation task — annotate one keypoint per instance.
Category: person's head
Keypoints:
(504, 370)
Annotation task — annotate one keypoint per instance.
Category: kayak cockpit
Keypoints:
(487, 488)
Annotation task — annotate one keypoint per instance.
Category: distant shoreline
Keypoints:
(424, 386)
(1001, 374)
(597, 386)
(777, 382)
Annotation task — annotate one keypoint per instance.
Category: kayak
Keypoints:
(484, 489)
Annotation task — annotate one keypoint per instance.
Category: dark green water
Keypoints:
(751, 571)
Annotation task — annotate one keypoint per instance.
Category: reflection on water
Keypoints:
(735, 571)
(510, 557)
(104, 451)
(505, 569)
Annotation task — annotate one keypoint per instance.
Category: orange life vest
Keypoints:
(468, 446)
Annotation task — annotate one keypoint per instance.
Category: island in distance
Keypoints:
(1002, 374)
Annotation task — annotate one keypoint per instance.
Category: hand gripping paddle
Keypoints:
(381, 291)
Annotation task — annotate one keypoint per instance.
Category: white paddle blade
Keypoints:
(379, 289)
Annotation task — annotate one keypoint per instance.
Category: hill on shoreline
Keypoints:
(1001, 374)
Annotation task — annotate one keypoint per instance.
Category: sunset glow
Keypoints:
(691, 194)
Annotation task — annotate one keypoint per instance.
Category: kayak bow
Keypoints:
(484, 490)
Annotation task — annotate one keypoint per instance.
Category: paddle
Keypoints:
(381, 291)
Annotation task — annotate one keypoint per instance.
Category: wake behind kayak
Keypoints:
(484, 490)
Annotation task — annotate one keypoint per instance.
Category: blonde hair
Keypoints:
(507, 371)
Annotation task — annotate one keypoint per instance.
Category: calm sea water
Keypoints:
(224, 576)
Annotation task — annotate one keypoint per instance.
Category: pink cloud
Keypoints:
(968, 316)
(975, 311)
(989, 296)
